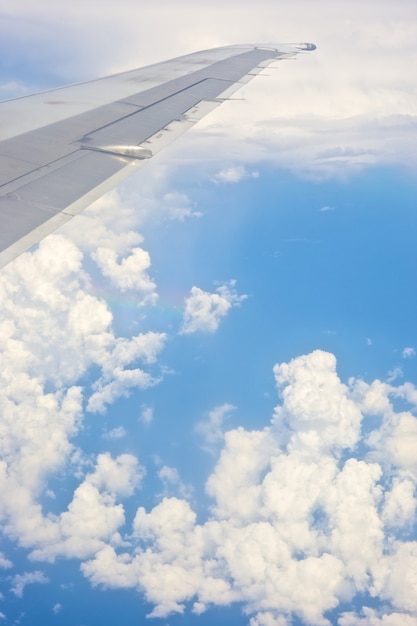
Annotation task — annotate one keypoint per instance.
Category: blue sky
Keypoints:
(208, 387)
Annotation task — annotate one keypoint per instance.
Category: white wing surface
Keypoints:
(62, 149)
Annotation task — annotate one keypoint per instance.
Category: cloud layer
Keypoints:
(308, 512)
(315, 509)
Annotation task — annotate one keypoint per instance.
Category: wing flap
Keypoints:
(144, 123)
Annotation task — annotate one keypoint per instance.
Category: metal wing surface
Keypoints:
(62, 149)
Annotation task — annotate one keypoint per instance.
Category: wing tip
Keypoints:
(307, 46)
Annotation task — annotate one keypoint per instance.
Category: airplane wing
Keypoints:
(62, 149)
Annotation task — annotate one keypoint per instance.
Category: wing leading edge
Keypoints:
(62, 149)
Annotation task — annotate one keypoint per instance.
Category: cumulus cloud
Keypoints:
(128, 273)
(52, 331)
(315, 405)
(268, 619)
(301, 519)
(295, 506)
(59, 354)
(370, 617)
(400, 503)
(115, 245)
(114, 223)
(94, 515)
(204, 310)
(118, 380)
(66, 329)
(310, 501)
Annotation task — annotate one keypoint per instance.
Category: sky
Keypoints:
(208, 378)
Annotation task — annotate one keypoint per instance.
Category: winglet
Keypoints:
(307, 46)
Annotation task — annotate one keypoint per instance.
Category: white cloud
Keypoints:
(53, 334)
(204, 310)
(268, 619)
(298, 523)
(402, 440)
(326, 208)
(234, 174)
(114, 223)
(128, 273)
(73, 327)
(370, 617)
(408, 353)
(93, 516)
(169, 474)
(395, 373)
(316, 405)
(396, 578)
(173, 483)
(28, 578)
(211, 429)
(115, 433)
(109, 389)
(400, 503)
(115, 244)
(396, 440)
(146, 415)
(120, 476)
(57, 608)
(178, 206)
(12, 89)
(4, 562)
(408, 391)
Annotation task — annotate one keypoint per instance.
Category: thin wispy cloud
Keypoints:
(115, 433)
(212, 429)
(234, 174)
(20, 581)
